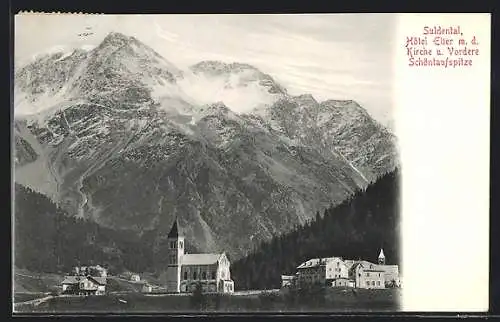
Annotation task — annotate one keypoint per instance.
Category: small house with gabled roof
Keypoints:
(84, 285)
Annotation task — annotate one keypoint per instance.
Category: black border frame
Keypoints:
(96, 6)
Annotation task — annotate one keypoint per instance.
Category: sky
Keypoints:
(331, 56)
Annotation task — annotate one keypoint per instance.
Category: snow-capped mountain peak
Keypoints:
(124, 137)
(241, 87)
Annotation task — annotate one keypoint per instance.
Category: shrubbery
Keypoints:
(198, 299)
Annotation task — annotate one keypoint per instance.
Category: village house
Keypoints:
(366, 275)
(84, 285)
(287, 280)
(147, 288)
(337, 272)
(135, 278)
(185, 271)
(86, 280)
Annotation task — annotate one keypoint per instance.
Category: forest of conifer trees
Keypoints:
(355, 229)
(46, 239)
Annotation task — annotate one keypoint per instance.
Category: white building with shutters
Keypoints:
(339, 272)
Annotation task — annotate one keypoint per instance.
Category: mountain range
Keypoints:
(119, 135)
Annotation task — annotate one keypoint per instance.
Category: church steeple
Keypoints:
(174, 231)
(175, 254)
(381, 257)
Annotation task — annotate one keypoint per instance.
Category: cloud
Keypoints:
(165, 34)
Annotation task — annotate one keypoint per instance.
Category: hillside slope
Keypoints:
(120, 136)
(357, 228)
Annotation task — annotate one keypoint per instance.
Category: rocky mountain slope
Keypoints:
(120, 135)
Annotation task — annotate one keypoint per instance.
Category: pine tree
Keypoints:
(64, 239)
(355, 228)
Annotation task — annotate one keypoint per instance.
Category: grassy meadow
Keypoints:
(328, 300)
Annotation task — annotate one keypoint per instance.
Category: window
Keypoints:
(172, 244)
(213, 275)
(378, 283)
(181, 244)
(378, 274)
(204, 275)
(338, 264)
(185, 275)
(373, 283)
(194, 275)
(367, 274)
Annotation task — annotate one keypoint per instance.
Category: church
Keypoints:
(185, 271)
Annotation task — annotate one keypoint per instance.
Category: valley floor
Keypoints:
(36, 293)
(333, 300)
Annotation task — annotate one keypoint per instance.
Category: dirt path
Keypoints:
(31, 276)
(33, 303)
(254, 292)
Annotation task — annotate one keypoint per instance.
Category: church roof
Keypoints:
(200, 259)
(175, 231)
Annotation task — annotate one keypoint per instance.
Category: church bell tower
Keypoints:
(175, 253)
(381, 257)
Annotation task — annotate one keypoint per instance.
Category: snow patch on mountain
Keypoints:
(235, 91)
(45, 105)
(52, 51)
(120, 129)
